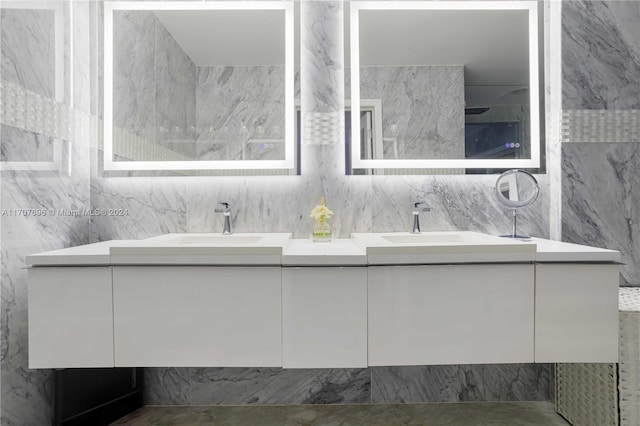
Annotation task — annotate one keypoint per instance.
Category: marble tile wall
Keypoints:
(376, 385)
(553, 113)
(322, 73)
(239, 110)
(601, 206)
(451, 383)
(16, 70)
(175, 95)
(601, 54)
(40, 23)
(26, 394)
(412, 128)
(601, 71)
(35, 147)
(154, 86)
(134, 88)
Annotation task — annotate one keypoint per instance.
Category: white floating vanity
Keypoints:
(268, 300)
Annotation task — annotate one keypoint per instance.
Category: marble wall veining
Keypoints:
(601, 54)
(322, 75)
(27, 32)
(26, 147)
(154, 87)
(361, 203)
(601, 71)
(245, 386)
(412, 128)
(375, 385)
(552, 72)
(240, 113)
(225, 386)
(175, 95)
(134, 88)
(453, 383)
(601, 203)
(457, 202)
(39, 24)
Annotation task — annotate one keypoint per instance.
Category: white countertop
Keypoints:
(88, 254)
(333, 253)
(557, 251)
(362, 249)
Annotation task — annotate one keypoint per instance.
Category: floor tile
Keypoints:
(438, 414)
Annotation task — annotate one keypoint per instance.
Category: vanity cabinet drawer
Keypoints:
(324, 317)
(197, 316)
(450, 314)
(70, 317)
(577, 312)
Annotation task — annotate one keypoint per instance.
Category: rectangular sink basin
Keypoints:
(218, 239)
(423, 238)
(203, 248)
(442, 247)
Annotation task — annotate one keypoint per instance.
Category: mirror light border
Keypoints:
(287, 163)
(58, 161)
(530, 6)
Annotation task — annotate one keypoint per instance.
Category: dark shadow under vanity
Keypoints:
(96, 396)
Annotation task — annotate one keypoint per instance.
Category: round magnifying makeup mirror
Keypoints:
(516, 189)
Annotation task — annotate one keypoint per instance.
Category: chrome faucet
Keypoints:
(416, 215)
(226, 211)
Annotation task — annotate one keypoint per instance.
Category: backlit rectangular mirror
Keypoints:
(199, 85)
(456, 84)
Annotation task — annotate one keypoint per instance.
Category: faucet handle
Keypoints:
(417, 208)
(226, 208)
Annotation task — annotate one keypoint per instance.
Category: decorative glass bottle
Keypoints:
(321, 229)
